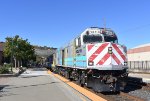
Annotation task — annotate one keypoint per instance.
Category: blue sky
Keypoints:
(55, 22)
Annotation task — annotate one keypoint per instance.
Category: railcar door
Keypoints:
(63, 57)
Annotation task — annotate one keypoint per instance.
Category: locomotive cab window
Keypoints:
(92, 38)
(111, 39)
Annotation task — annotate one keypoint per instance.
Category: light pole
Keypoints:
(11, 55)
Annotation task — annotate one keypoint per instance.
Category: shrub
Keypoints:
(4, 69)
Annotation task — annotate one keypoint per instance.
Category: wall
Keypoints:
(139, 54)
(143, 56)
(139, 59)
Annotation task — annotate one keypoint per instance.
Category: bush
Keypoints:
(7, 65)
(4, 69)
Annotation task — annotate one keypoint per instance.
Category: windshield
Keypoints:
(110, 39)
(92, 38)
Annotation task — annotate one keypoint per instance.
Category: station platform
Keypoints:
(145, 77)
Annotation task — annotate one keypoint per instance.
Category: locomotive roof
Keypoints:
(88, 29)
(107, 31)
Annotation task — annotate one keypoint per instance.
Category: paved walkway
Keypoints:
(37, 85)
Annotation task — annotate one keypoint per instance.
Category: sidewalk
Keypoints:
(145, 77)
(16, 72)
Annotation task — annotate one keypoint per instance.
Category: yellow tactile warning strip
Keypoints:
(83, 91)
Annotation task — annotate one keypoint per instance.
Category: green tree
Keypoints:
(19, 50)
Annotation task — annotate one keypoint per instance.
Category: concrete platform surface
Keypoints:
(145, 77)
(37, 85)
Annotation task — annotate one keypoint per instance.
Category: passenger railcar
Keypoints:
(94, 59)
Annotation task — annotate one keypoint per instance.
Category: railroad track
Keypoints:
(146, 87)
(127, 95)
(137, 91)
(135, 98)
(116, 96)
(122, 96)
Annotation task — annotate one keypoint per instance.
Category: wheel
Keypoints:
(67, 74)
(82, 80)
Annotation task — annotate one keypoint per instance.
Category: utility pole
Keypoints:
(104, 22)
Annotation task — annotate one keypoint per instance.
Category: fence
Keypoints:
(139, 65)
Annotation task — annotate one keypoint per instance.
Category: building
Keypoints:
(42, 53)
(139, 53)
(139, 58)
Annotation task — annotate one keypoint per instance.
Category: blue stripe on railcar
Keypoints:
(69, 62)
(80, 64)
(68, 59)
(80, 61)
(59, 58)
(80, 58)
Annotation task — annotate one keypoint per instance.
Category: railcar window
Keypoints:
(92, 38)
(110, 39)
(79, 41)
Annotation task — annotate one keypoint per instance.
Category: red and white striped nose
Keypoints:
(98, 53)
(118, 55)
(105, 54)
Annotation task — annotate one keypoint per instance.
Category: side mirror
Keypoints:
(124, 48)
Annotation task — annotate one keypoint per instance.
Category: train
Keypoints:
(94, 59)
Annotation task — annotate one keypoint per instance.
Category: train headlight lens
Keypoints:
(90, 63)
(110, 50)
(125, 63)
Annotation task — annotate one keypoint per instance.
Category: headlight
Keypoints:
(110, 50)
(90, 63)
